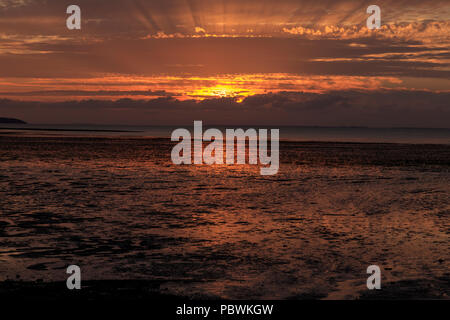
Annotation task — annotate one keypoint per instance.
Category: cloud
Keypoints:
(424, 31)
(213, 37)
(383, 108)
(138, 18)
(213, 56)
(85, 93)
(13, 3)
(186, 87)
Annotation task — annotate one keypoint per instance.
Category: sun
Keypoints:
(220, 91)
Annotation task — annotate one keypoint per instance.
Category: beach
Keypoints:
(118, 208)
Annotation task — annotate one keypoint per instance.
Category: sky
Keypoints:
(268, 62)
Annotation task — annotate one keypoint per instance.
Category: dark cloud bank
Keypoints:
(382, 108)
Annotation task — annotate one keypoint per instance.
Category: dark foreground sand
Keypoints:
(151, 290)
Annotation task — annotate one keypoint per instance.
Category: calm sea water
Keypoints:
(390, 135)
(119, 209)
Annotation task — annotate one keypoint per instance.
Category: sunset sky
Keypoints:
(272, 62)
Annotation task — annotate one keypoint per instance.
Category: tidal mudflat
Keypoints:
(120, 209)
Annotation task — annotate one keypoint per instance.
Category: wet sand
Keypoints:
(119, 209)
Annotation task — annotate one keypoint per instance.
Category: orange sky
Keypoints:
(213, 49)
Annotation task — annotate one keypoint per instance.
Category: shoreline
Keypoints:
(22, 133)
(67, 130)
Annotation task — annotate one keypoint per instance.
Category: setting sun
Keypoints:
(221, 91)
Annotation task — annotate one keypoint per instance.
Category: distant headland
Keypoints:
(11, 120)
